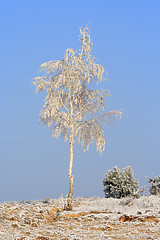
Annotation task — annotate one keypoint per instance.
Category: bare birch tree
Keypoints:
(73, 106)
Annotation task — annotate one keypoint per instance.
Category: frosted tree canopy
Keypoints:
(73, 106)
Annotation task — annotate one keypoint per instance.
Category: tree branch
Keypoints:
(111, 114)
(63, 103)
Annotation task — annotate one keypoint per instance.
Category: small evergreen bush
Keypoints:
(119, 184)
(154, 187)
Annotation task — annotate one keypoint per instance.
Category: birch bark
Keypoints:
(70, 170)
(71, 143)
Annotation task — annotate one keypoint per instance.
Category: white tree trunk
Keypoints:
(70, 170)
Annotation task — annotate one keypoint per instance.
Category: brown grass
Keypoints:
(43, 224)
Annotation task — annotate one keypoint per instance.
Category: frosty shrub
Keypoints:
(154, 187)
(119, 184)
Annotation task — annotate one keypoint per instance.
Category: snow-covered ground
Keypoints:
(91, 218)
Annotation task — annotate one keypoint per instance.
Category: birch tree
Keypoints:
(73, 107)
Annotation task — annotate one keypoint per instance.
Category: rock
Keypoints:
(46, 200)
(125, 218)
(139, 212)
(126, 202)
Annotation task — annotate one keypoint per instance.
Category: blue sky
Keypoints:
(126, 41)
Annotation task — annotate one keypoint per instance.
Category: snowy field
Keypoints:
(91, 218)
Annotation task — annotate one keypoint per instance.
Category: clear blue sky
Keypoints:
(126, 38)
